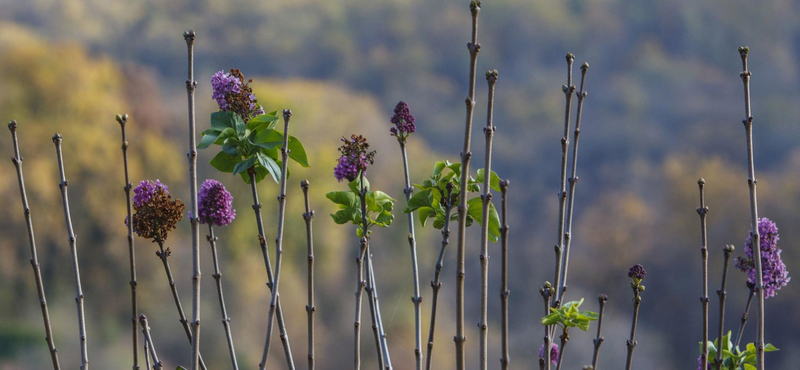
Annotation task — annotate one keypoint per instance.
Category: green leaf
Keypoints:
(263, 122)
(424, 213)
(345, 199)
(346, 215)
(355, 185)
(297, 152)
(269, 139)
(494, 180)
(419, 200)
(260, 174)
(224, 135)
(270, 164)
(244, 165)
(384, 219)
(223, 119)
(747, 366)
(475, 210)
(770, 348)
(455, 167)
(550, 319)
(438, 167)
(224, 162)
(208, 137)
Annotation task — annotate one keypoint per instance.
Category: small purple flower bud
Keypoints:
(553, 353)
(637, 272)
(403, 121)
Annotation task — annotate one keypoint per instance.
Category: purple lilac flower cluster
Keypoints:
(355, 158)
(215, 204)
(775, 276)
(233, 94)
(637, 272)
(403, 121)
(553, 353)
(700, 363)
(146, 190)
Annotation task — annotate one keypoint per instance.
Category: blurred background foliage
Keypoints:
(664, 108)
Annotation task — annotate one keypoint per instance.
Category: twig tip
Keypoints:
(12, 125)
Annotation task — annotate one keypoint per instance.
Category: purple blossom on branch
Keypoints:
(234, 94)
(355, 158)
(553, 353)
(775, 276)
(637, 272)
(214, 204)
(700, 363)
(403, 121)
(145, 190)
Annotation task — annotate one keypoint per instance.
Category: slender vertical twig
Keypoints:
(412, 243)
(73, 248)
(123, 119)
(598, 340)
(474, 47)
(287, 349)
(191, 84)
(148, 342)
(486, 199)
(37, 272)
(287, 115)
(504, 292)
(721, 293)
(568, 89)
(564, 340)
(226, 321)
(146, 357)
(745, 313)
(631, 343)
(374, 313)
(703, 211)
(547, 292)
(163, 254)
(573, 179)
(381, 329)
(436, 284)
(359, 292)
(310, 307)
(751, 181)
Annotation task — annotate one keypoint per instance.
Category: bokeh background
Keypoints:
(664, 108)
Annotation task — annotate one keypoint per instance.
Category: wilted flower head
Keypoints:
(637, 272)
(355, 157)
(774, 273)
(233, 94)
(403, 121)
(214, 204)
(553, 353)
(155, 213)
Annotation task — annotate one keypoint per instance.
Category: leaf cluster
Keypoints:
(379, 206)
(568, 316)
(734, 358)
(253, 145)
(440, 193)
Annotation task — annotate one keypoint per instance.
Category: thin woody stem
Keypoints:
(148, 343)
(146, 357)
(564, 340)
(721, 293)
(412, 243)
(568, 89)
(123, 119)
(163, 254)
(703, 211)
(744, 315)
(631, 343)
(310, 307)
(474, 47)
(287, 115)
(436, 283)
(76, 271)
(191, 84)
(486, 199)
(598, 340)
(226, 321)
(360, 273)
(504, 292)
(373, 312)
(287, 350)
(751, 181)
(382, 331)
(547, 292)
(573, 180)
(37, 272)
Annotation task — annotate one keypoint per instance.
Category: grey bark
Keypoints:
(412, 243)
(504, 292)
(598, 340)
(310, 307)
(703, 211)
(226, 321)
(436, 283)
(721, 293)
(148, 340)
